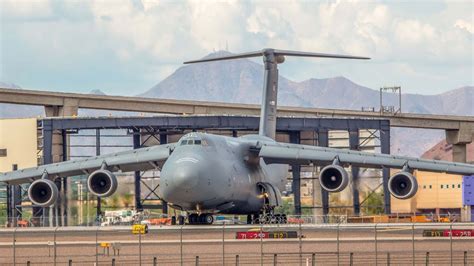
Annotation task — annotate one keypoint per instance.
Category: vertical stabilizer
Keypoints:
(268, 112)
(271, 59)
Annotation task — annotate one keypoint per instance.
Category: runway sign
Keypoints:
(139, 229)
(258, 234)
(447, 233)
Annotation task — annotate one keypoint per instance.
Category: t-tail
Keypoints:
(271, 59)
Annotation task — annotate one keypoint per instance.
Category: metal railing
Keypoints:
(308, 244)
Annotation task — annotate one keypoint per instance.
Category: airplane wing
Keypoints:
(132, 160)
(285, 153)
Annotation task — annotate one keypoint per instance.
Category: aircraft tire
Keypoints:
(181, 220)
(208, 218)
(278, 219)
(249, 218)
(267, 219)
(193, 218)
(201, 219)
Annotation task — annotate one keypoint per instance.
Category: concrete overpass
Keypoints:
(459, 129)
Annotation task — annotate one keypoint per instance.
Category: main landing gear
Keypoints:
(267, 216)
(267, 219)
(203, 218)
(193, 218)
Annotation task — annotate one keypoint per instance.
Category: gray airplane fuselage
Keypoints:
(212, 173)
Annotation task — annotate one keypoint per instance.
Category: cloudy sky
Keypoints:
(126, 46)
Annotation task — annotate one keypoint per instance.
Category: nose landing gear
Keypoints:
(267, 214)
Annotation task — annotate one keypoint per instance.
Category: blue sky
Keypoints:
(125, 47)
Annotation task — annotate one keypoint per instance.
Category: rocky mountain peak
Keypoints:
(97, 92)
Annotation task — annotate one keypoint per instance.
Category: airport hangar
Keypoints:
(301, 125)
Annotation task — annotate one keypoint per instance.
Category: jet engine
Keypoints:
(43, 192)
(102, 183)
(333, 178)
(402, 185)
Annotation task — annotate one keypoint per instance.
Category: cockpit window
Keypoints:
(192, 142)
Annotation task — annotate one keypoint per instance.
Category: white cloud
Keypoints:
(269, 22)
(150, 4)
(212, 24)
(26, 9)
(159, 34)
(462, 24)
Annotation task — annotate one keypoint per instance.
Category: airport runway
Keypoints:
(217, 244)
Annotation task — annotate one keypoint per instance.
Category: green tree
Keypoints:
(286, 206)
(113, 201)
(373, 204)
(127, 200)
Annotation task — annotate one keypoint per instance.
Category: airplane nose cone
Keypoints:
(180, 180)
(185, 175)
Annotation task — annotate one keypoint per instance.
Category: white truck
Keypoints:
(119, 217)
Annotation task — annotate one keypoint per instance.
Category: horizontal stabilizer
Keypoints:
(275, 52)
(307, 54)
(227, 57)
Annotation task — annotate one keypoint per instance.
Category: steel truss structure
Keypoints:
(160, 128)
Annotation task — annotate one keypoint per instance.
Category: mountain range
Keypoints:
(240, 81)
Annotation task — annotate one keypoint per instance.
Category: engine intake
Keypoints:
(43, 192)
(102, 183)
(333, 178)
(402, 185)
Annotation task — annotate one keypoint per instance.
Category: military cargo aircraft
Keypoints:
(205, 174)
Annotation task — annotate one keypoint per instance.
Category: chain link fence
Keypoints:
(289, 244)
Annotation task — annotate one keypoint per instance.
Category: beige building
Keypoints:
(18, 143)
(438, 193)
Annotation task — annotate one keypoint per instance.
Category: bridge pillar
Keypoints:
(57, 152)
(460, 153)
(459, 139)
(70, 107)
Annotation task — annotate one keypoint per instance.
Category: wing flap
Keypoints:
(305, 154)
(133, 160)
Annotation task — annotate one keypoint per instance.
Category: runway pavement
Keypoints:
(217, 245)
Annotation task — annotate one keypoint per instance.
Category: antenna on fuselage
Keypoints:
(271, 59)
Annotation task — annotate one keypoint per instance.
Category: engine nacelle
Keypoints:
(402, 185)
(43, 192)
(333, 178)
(102, 183)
